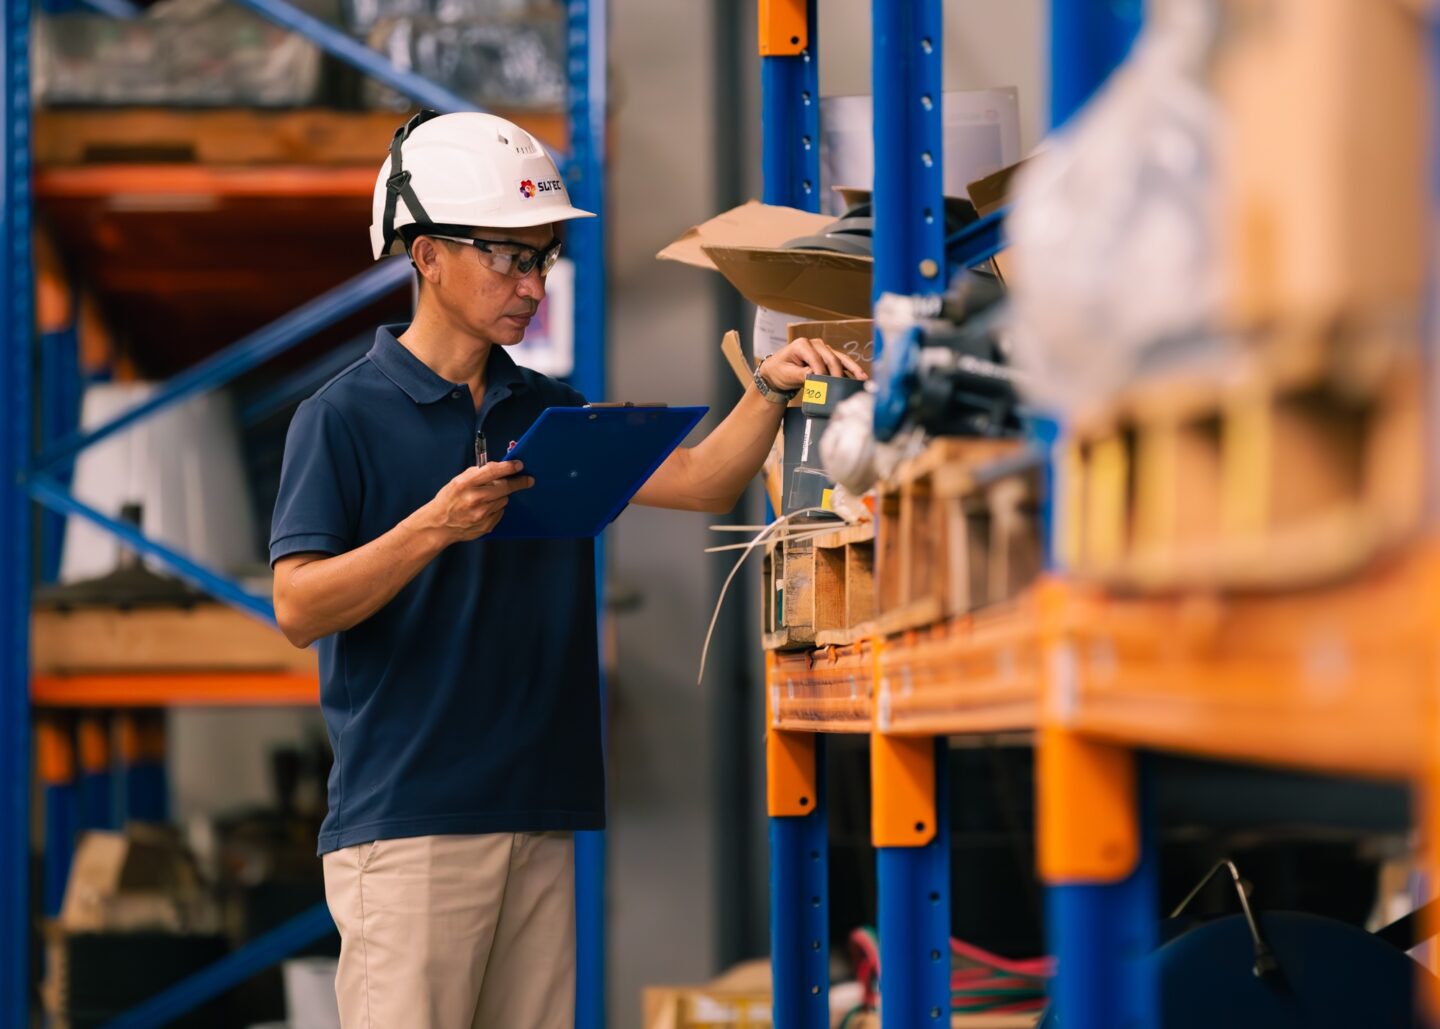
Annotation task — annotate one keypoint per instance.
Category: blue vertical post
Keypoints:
(143, 783)
(1101, 933)
(585, 240)
(799, 844)
(99, 808)
(17, 324)
(56, 765)
(1103, 936)
(800, 911)
(914, 922)
(790, 122)
(59, 416)
(1088, 38)
(913, 882)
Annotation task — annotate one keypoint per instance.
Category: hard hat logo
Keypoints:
(527, 189)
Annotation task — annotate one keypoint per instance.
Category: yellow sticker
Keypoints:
(815, 392)
(825, 497)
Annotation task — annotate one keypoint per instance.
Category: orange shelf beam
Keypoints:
(826, 690)
(1338, 679)
(198, 180)
(177, 689)
(976, 673)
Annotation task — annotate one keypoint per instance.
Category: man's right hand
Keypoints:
(470, 505)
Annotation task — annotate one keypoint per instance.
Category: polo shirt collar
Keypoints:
(420, 382)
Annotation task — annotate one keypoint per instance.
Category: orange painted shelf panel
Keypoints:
(177, 689)
(826, 690)
(116, 182)
(975, 673)
(1340, 678)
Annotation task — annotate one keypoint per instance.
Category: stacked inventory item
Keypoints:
(497, 53)
(194, 53)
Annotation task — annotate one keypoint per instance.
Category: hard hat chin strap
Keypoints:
(397, 186)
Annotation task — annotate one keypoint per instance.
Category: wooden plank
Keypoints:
(205, 638)
(240, 136)
(859, 584)
(860, 532)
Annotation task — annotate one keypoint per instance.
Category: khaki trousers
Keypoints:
(455, 932)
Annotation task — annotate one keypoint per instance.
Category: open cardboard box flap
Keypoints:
(747, 246)
(809, 283)
(752, 224)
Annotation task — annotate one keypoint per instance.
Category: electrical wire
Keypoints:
(764, 533)
(986, 982)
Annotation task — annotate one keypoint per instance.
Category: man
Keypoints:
(459, 675)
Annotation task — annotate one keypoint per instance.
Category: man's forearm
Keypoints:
(724, 462)
(331, 594)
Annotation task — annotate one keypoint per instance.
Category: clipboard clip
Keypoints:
(624, 403)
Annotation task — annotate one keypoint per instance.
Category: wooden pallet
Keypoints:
(1290, 464)
(958, 529)
(787, 606)
(845, 585)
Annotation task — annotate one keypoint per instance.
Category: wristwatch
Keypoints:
(769, 392)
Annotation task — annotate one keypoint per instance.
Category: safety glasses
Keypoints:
(510, 258)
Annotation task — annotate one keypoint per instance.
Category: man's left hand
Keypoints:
(785, 370)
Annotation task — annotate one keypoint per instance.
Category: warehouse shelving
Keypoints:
(1336, 677)
(288, 141)
(809, 695)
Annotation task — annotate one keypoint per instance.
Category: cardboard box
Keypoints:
(746, 245)
(739, 999)
(993, 191)
(1323, 176)
(871, 1020)
(140, 879)
(989, 195)
(853, 337)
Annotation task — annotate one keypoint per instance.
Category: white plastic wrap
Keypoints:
(1113, 229)
(182, 465)
(511, 63)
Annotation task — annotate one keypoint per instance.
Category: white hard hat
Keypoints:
(464, 170)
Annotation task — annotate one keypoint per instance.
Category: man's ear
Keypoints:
(425, 256)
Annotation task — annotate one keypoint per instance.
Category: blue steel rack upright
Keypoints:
(27, 477)
(799, 893)
(1099, 932)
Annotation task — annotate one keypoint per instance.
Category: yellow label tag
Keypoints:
(815, 392)
(825, 497)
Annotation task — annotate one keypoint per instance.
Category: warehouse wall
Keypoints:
(987, 43)
(663, 853)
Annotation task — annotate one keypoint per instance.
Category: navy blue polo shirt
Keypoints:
(469, 703)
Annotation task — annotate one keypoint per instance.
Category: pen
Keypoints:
(481, 457)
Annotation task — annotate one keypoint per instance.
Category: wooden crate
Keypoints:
(1295, 462)
(958, 529)
(788, 604)
(845, 585)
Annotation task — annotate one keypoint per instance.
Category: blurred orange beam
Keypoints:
(176, 689)
(196, 180)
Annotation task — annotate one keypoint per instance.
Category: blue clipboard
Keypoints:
(587, 463)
